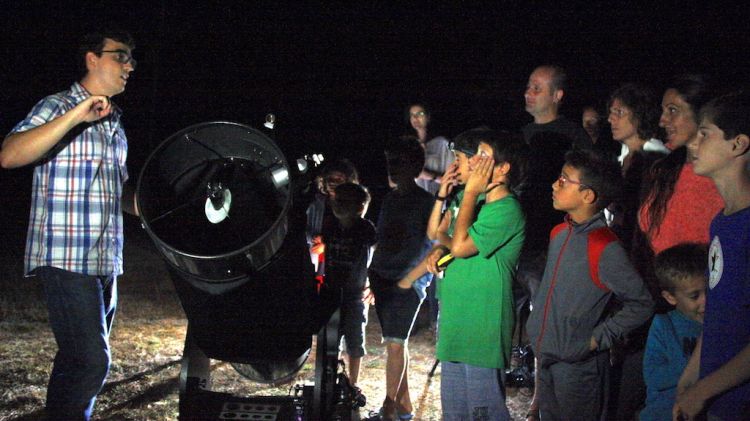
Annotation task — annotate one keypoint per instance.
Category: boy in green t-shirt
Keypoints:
(476, 319)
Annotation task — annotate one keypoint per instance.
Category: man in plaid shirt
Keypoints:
(77, 144)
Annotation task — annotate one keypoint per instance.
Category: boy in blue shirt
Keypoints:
(717, 377)
(681, 271)
(348, 248)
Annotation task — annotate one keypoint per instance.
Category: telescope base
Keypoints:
(331, 397)
(208, 405)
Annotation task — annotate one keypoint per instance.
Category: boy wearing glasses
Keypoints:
(77, 144)
(568, 328)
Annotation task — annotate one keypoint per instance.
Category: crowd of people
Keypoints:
(628, 266)
(599, 249)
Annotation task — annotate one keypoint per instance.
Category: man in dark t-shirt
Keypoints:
(544, 94)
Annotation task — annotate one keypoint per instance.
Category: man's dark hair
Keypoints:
(94, 42)
(407, 154)
(643, 103)
(730, 113)
(680, 262)
(352, 197)
(601, 174)
(559, 77)
(511, 148)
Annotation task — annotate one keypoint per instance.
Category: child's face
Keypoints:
(568, 191)
(711, 150)
(689, 297)
(464, 169)
(330, 181)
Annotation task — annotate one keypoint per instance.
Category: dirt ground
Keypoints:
(147, 343)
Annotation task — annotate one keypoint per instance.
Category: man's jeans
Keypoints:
(81, 310)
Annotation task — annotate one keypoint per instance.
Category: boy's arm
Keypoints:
(692, 369)
(436, 216)
(428, 264)
(658, 374)
(462, 245)
(692, 400)
(619, 275)
(443, 238)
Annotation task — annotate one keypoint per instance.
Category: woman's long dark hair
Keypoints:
(662, 178)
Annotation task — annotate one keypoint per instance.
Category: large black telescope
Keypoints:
(224, 208)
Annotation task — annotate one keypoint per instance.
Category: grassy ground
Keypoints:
(147, 343)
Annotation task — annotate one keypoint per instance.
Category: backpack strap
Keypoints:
(599, 239)
(556, 230)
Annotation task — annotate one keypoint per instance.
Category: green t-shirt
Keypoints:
(476, 302)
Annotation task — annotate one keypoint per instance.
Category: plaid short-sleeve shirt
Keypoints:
(75, 222)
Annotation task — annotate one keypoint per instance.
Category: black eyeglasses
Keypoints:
(122, 57)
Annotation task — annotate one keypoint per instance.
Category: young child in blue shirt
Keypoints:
(681, 271)
(717, 377)
(348, 249)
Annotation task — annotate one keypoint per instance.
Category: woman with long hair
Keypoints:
(678, 205)
(633, 118)
(436, 149)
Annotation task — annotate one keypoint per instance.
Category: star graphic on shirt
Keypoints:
(714, 258)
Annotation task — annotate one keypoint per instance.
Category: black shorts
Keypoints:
(396, 308)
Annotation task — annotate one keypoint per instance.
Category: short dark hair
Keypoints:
(599, 172)
(407, 153)
(730, 113)
(344, 166)
(643, 103)
(559, 77)
(511, 148)
(679, 263)
(469, 140)
(351, 197)
(94, 42)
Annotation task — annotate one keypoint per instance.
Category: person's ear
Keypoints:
(502, 169)
(669, 297)
(500, 172)
(589, 196)
(741, 144)
(91, 60)
(558, 96)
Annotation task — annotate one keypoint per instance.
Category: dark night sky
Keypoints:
(338, 78)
